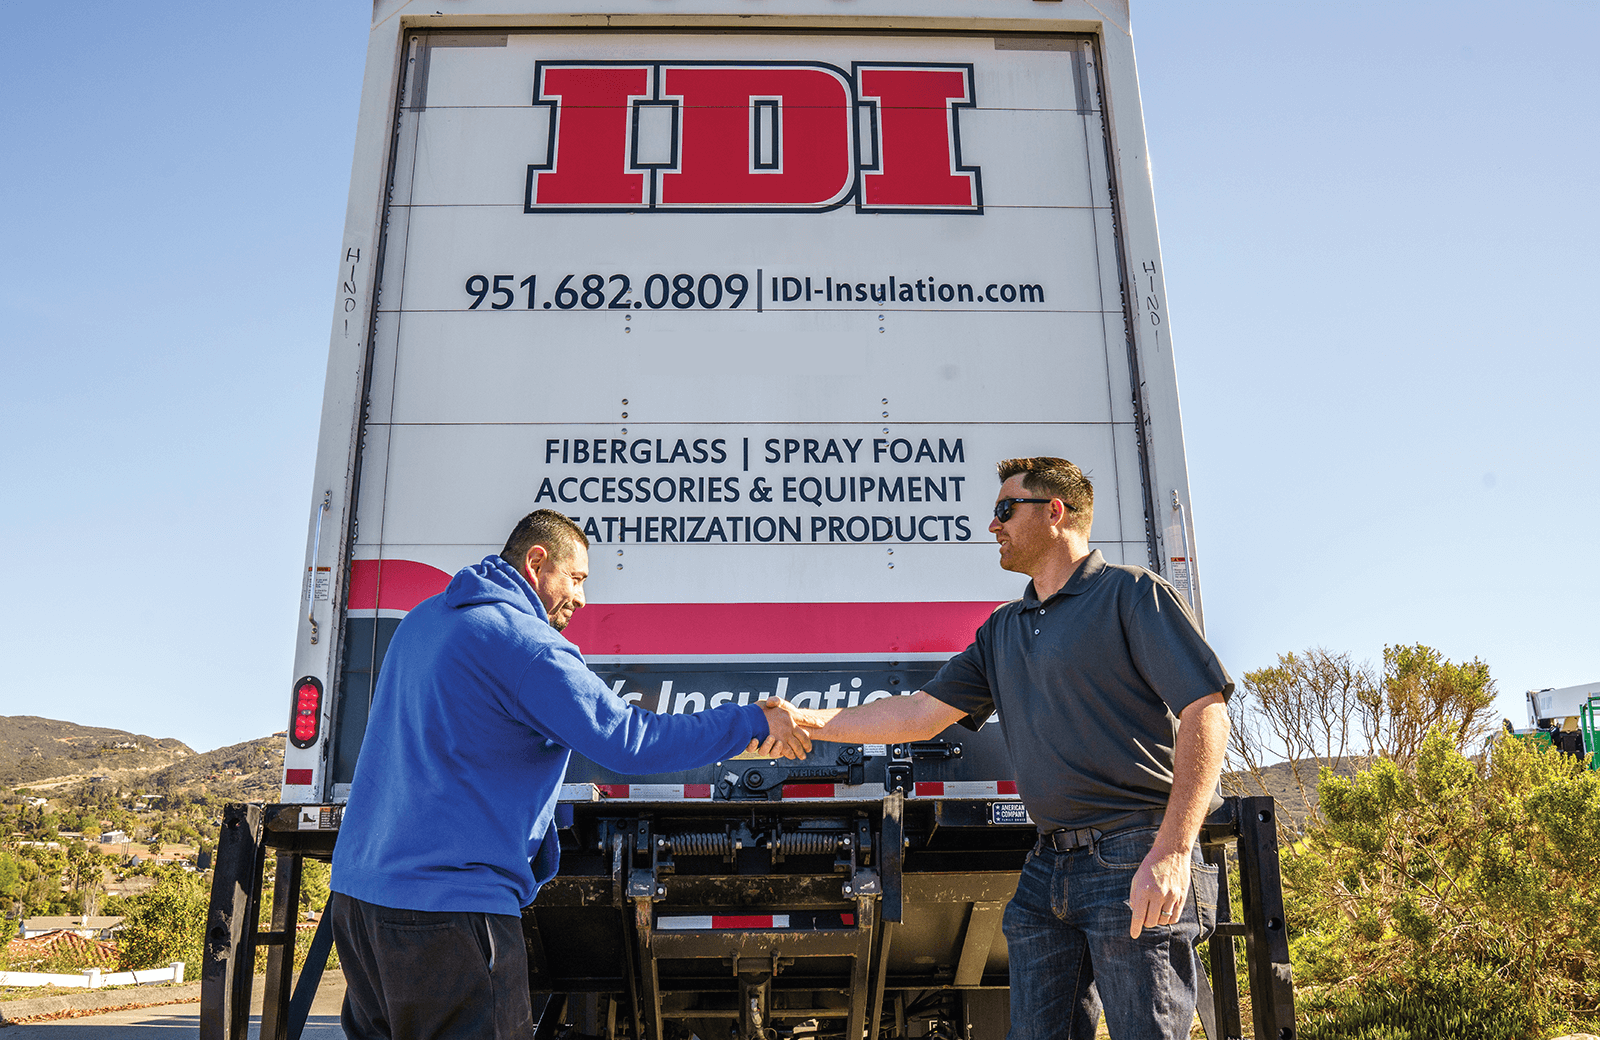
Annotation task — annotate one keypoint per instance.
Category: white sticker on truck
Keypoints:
(1009, 813)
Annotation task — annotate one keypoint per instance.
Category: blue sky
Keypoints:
(1378, 226)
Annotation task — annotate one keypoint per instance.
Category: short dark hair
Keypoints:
(1058, 478)
(545, 527)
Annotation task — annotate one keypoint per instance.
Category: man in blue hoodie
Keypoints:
(449, 830)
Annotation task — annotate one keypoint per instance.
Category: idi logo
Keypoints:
(753, 137)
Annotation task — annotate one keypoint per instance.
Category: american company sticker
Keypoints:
(1009, 813)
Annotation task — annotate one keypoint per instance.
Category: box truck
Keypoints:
(757, 293)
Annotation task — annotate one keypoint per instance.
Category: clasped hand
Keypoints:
(789, 730)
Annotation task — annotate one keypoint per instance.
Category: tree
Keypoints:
(1306, 710)
(314, 877)
(165, 924)
(11, 883)
(1421, 692)
(82, 874)
(1437, 890)
(1320, 709)
(82, 864)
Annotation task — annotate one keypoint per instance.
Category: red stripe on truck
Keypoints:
(296, 776)
(393, 584)
(712, 628)
(808, 790)
(730, 921)
(777, 628)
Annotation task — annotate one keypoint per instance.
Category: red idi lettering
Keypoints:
(769, 136)
(753, 137)
(586, 164)
(919, 139)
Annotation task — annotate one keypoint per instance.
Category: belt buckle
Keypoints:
(1070, 839)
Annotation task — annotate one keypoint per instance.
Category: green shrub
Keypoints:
(166, 924)
(1452, 898)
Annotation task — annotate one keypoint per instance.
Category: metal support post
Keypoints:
(755, 996)
(230, 945)
(1223, 1021)
(280, 955)
(1266, 935)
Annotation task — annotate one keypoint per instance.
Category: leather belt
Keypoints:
(1066, 840)
(1069, 839)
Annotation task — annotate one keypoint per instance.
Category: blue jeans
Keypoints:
(1067, 933)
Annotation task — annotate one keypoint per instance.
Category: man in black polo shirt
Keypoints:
(1112, 707)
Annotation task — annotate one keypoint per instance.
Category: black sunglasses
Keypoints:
(1002, 508)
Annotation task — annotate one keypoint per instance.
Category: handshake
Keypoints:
(790, 729)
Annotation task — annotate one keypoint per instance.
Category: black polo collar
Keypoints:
(1087, 573)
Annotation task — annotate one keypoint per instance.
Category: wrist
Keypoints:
(1170, 845)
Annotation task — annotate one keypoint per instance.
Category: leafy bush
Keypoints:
(1457, 887)
(166, 924)
(1439, 888)
(1443, 1004)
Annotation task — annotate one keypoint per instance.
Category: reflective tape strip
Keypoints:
(721, 921)
(797, 920)
(808, 790)
(965, 789)
(684, 922)
(667, 792)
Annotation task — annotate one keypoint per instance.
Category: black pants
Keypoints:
(417, 975)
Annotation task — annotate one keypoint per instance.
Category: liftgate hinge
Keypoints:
(765, 783)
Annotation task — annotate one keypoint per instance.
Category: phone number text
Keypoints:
(593, 292)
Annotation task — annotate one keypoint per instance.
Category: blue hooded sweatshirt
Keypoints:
(478, 707)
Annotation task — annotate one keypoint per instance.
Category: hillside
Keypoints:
(53, 758)
(247, 772)
(34, 749)
(1278, 781)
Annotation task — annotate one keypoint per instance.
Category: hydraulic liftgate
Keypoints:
(731, 918)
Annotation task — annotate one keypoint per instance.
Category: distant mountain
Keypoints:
(33, 749)
(247, 772)
(1278, 781)
(54, 758)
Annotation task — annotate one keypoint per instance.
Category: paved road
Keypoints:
(182, 1021)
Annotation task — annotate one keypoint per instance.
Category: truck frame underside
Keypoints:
(734, 920)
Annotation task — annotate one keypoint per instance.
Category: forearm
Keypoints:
(1197, 765)
(885, 721)
(646, 742)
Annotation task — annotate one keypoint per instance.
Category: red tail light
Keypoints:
(305, 714)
